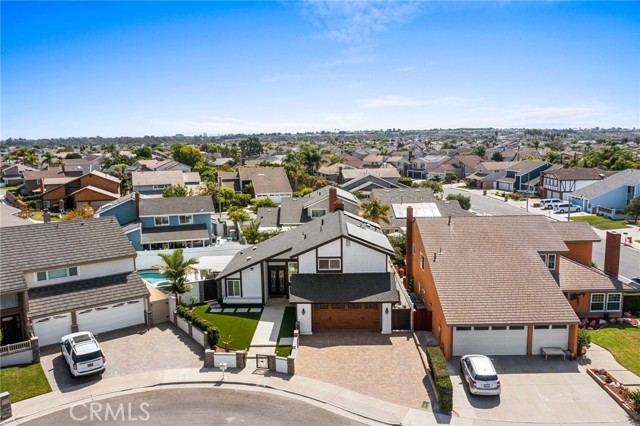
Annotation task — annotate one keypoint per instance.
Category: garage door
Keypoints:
(496, 340)
(346, 316)
(111, 317)
(545, 336)
(50, 329)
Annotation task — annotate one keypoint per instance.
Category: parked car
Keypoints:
(546, 203)
(565, 208)
(480, 375)
(82, 353)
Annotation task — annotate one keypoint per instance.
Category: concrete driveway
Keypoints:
(387, 367)
(130, 350)
(537, 391)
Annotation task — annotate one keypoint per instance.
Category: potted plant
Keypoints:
(226, 341)
(584, 341)
(193, 302)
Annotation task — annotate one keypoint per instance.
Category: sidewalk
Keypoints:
(599, 357)
(368, 410)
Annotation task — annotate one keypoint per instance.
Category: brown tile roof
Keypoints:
(575, 276)
(580, 173)
(575, 232)
(469, 160)
(487, 270)
(51, 172)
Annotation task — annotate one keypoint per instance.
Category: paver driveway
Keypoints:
(130, 350)
(537, 391)
(387, 367)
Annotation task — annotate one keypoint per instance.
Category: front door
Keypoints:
(277, 281)
(210, 290)
(11, 331)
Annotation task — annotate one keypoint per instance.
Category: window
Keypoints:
(318, 212)
(516, 327)
(371, 306)
(540, 327)
(161, 220)
(233, 288)
(499, 327)
(613, 301)
(57, 273)
(355, 305)
(597, 302)
(337, 306)
(549, 260)
(463, 328)
(321, 306)
(73, 271)
(157, 187)
(559, 327)
(46, 204)
(329, 264)
(422, 261)
(42, 276)
(480, 328)
(185, 220)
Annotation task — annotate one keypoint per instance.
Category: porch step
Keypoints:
(264, 345)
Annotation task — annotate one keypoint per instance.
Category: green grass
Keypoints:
(23, 381)
(37, 215)
(239, 325)
(8, 188)
(623, 342)
(601, 222)
(286, 330)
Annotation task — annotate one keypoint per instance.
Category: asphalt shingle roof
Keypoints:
(176, 205)
(630, 177)
(579, 173)
(82, 294)
(58, 244)
(488, 270)
(343, 288)
(266, 180)
(159, 234)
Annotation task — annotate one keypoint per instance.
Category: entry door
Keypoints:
(277, 281)
(11, 331)
(210, 290)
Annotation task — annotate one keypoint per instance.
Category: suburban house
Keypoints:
(264, 182)
(373, 161)
(61, 277)
(153, 223)
(397, 161)
(296, 211)
(84, 164)
(488, 172)
(33, 178)
(94, 188)
(12, 174)
(607, 197)
(465, 165)
(335, 269)
(421, 200)
(154, 183)
(418, 168)
(522, 176)
(560, 182)
(333, 171)
(364, 180)
(158, 166)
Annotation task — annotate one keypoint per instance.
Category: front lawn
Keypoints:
(239, 325)
(23, 381)
(37, 215)
(601, 222)
(623, 342)
(8, 188)
(286, 330)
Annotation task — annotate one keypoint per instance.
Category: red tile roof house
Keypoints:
(506, 285)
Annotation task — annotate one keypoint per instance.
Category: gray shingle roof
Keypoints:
(526, 166)
(176, 205)
(82, 294)
(266, 180)
(58, 244)
(197, 231)
(349, 174)
(575, 232)
(488, 270)
(578, 173)
(401, 195)
(267, 217)
(343, 288)
(628, 177)
(167, 177)
(292, 211)
(575, 276)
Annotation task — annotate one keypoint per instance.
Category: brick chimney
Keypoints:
(137, 200)
(333, 198)
(338, 205)
(409, 256)
(612, 253)
(42, 188)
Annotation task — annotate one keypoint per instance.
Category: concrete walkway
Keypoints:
(599, 357)
(265, 337)
(365, 409)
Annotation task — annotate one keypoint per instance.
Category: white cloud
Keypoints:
(354, 22)
(405, 101)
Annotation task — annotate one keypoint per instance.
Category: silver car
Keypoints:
(480, 375)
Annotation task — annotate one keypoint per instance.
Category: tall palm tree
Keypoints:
(49, 159)
(375, 211)
(176, 269)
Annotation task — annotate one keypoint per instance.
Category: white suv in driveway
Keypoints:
(480, 375)
(83, 354)
(565, 208)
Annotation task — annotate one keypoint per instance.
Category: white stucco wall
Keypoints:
(90, 270)
(331, 249)
(307, 262)
(251, 282)
(305, 320)
(386, 318)
(358, 258)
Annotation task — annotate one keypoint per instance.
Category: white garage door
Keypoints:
(111, 317)
(496, 340)
(544, 336)
(50, 329)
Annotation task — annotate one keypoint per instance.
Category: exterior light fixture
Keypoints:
(303, 311)
(386, 310)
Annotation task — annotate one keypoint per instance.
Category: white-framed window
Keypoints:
(8, 300)
(422, 261)
(158, 187)
(597, 302)
(614, 301)
(161, 220)
(233, 288)
(549, 260)
(57, 273)
(46, 204)
(185, 219)
(318, 212)
(329, 264)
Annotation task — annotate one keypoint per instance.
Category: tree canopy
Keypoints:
(177, 191)
(465, 201)
(187, 154)
(375, 211)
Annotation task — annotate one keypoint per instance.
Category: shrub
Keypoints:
(584, 339)
(634, 397)
(631, 303)
(213, 333)
(444, 387)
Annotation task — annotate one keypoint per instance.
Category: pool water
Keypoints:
(154, 278)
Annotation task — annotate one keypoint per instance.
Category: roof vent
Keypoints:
(435, 256)
(248, 257)
(254, 247)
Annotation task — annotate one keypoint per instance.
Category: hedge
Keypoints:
(631, 303)
(444, 387)
(213, 333)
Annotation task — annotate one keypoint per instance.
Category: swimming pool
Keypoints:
(155, 278)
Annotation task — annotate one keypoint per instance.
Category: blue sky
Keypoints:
(160, 68)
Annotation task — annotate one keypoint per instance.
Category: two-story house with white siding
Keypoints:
(61, 277)
(559, 182)
(335, 269)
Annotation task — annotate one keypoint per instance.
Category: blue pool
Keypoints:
(154, 277)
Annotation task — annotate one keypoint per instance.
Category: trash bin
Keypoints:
(484, 192)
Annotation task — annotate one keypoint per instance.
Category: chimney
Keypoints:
(338, 205)
(409, 249)
(137, 198)
(42, 188)
(333, 198)
(340, 178)
(612, 253)
(64, 171)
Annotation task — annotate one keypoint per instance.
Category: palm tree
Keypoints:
(375, 211)
(176, 270)
(49, 159)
